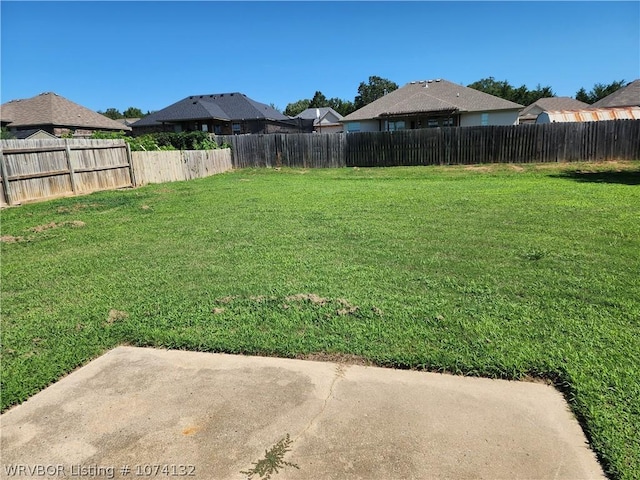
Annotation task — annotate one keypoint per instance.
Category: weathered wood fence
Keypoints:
(304, 150)
(40, 169)
(555, 142)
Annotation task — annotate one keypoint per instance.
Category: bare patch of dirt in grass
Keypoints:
(77, 207)
(217, 311)
(116, 316)
(11, 239)
(516, 168)
(49, 226)
(310, 297)
(477, 168)
(227, 299)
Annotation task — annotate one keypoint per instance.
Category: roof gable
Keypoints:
(552, 103)
(327, 115)
(52, 109)
(430, 96)
(628, 96)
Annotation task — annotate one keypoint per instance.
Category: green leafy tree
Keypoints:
(599, 91)
(298, 107)
(343, 107)
(112, 113)
(132, 112)
(503, 89)
(373, 90)
(5, 134)
(318, 101)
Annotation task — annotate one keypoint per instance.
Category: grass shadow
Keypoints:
(625, 177)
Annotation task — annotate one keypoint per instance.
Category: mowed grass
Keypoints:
(500, 271)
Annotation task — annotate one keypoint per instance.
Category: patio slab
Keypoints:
(142, 413)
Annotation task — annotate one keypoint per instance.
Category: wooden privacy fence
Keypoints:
(554, 142)
(176, 165)
(39, 169)
(305, 150)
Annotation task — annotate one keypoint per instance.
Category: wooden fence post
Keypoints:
(130, 160)
(72, 175)
(5, 180)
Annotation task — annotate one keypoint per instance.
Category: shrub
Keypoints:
(164, 140)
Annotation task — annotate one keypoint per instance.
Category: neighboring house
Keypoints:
(222, 114)
(325, 119)
(35, 134)
(55, 115)
(529, 114)
(432, 103)
(589, 115)
(628, 96)
(126, 121)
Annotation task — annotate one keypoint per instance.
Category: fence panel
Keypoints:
(37, 169)
(176, 165)
(41, 169)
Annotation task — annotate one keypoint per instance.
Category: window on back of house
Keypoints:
(397, 125)
(235, 127)
(353, 127)
(217, 129)
(484, 119)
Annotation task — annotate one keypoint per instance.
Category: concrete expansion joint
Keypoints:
(340, 372)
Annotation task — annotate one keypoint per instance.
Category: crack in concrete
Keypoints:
(340, 372)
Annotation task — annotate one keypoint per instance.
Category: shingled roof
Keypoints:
(52, 109)
(310, 114)
(551, 103)
(431, 96)
(628, 96)
(218, 106)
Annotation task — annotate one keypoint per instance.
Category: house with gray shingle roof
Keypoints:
(325, 119)
(221, 114)
(55, 115)
(529, 114)
(432, 103)
(627, 96)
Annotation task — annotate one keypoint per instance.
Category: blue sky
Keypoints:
(151, 54)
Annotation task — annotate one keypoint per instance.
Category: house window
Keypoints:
(397, 125)
(235, 128)
(217, 129)
(205, 127)
(484, 119)
(432, 122)
(353, 127)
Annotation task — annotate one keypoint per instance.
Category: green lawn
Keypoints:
(499, 271)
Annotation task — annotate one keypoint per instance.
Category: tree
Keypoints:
(503, 89)
(5, 134)
(599, 91)
(376, 88)
(343, 107)
(132, 112)
(582, 95)
(318, 100)
(296, 108)
(112, 113)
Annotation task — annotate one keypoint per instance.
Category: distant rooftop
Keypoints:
(52, 109)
